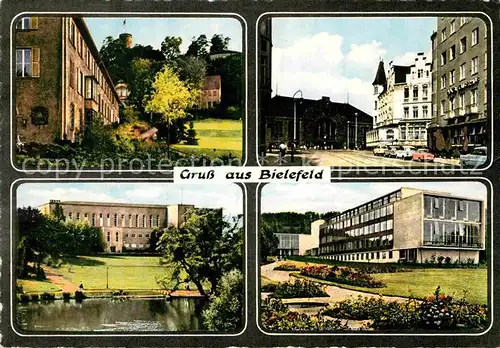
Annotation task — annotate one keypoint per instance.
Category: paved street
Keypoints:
(350, 158)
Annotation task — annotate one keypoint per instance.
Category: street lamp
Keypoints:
(356, 131)
(348, 123)
(295, 121)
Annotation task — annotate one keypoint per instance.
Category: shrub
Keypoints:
(344, 275)
(79, 295)
(48, 296)
(19, 288)
(271, 287)
(24, 298)
(40, 274)
(440, 260)
(299, 289)
(190, 138)
(66, 295)
(287, 267)
(447, 260)
(275, 316)
(35, 298)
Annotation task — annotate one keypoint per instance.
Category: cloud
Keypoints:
(366, 56)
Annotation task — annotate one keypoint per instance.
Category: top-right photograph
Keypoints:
(374, 92)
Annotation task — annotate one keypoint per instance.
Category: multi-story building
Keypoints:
(407, 225)
(293, 244)
(123, 226)
(459, 85)
(60, 80)
(402, 107)
(211, 91)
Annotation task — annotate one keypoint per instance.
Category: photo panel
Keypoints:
(120, 92)
(354, 91)
(94, 258)
(408, 258)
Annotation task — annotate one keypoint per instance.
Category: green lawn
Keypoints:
(37, 286)
(122, 272)
(223, 136)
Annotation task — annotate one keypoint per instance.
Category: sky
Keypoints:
(336, 56)
(226, 196)
(322, 198)
(152, 31)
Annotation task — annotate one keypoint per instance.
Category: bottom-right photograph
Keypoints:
(375, 257)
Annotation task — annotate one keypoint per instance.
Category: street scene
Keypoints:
(374, 257)
(335, 95)
(128, 97)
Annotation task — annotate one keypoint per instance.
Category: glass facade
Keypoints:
(288, 243)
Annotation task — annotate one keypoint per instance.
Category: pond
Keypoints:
(102, 315)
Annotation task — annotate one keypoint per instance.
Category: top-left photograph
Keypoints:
(126, 93)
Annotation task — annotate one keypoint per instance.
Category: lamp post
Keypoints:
(355, 130)
(348, 123)
(295, 121)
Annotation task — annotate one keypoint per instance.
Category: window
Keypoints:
(407, 93)
(116, 236)
(115, 220)
(463, 20)
(425, 92)
(453, 26)
(443, 107)
(452, 52)
(473, 97)
(474, 67)
(28, 62)
(109, 236)
(452, 77)
(78, 216)
(415, 92)
(420, 73)
(425, 111)
(72, 74)
(100, 219)
(72, 116)
(443, 58)
(475, 36)
(90, 88)
(108, 220)
(452, 103)
(415, 112)
(443, 34)
(137, 221)
(443, 81)
(462, 71)
(375, 105)
(463, 45)
(27, 23)
(144, 221)
(72, 31)
(151, 223)
(461, 100)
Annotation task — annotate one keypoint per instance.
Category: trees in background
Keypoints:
(268, 241)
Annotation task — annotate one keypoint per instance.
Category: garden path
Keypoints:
(60, 281)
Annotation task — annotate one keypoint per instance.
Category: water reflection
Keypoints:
(111, 315)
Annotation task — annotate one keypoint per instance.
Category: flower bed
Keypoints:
(343, 275)
(299, 289)
(275, 316)
(438, 312)
(287, 267)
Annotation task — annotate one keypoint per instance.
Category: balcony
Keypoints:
(471, 109)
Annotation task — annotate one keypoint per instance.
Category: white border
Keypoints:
(244, 47)
(165, 334)
(491, 306)
(332, 15)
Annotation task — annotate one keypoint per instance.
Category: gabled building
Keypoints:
(60, 81)
(402, 105)
(211, 92)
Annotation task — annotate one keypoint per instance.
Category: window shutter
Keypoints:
(35, 62)
(33, 22)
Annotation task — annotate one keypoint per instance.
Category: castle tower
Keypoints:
(379, 86)
(127, 39)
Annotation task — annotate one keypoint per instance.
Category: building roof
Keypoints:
(212, 82)
(380, 78)
(115, 204)
(400, 73)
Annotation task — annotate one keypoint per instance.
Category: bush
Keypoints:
(40, 274)
(19, 288)
(275, 316)
(271, 287)
(35, 298)
(24, 298)
(190, 138)
(343, 275)
(225, 310)
(299, 289)
(79, 295)
(287, 267)
(66, 295)
(48, 297)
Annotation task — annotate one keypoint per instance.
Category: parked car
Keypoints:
(474, 159)
(379, 150)
(422, 155)
(391, 151)
(405, 153)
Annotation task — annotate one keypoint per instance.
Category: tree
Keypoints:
(268, 241)
(170, 47)
(230, 70)
(142, 82)
(191, 135)
(116, 58)
(198, 47)
(219, 43)
(29, 226)
(58, 212)
(191, 70)
(201, 250)
(225, 310)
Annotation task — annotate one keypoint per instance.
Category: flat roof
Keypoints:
(116, 204)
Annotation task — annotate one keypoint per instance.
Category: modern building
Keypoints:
(60, 82)
(459, 85)
(315, 227)
(316, 123)
(211, 92)
(264, 75)
(402, 106)
(407, 225)
(293, 244)
(124, 226)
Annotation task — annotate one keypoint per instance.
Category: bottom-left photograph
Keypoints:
(127, 257)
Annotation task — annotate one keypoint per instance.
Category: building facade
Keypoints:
(316, 123)
(407, 225)
(61, 83)
(402, 105)
(123, 226)
(211, 92)
(293, 244)
(459, 85)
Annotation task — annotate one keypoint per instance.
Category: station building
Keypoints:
(407, 225)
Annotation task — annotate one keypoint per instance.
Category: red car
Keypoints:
(423, 155)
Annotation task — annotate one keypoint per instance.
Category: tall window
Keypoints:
(452, 77)
(151, 223)
(27, 23)
(115, 220)
(425, 111)
(72, 116)
(158, 220)
(100, 219)
(452, 103)
(474, 67)
(443, 81)
(473, 97)
(443, 34)
(461, 100)
(415, 92)
(415, 112)
(463, 20)
(453, 26)
(129, 220)
(443, 107)
(406, 112)
(420, 73)
(425, 92)
(72, 31)
(407, 93)
(108, 220)
(463, 44)
(123, 220)
(144, 221)
(443, 58)
(462, 71)
(116, 236)
(78, 216)
(137, 220)
(28, 62)
(475, 36)
(452, 52)
(72, 74)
